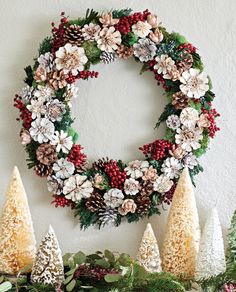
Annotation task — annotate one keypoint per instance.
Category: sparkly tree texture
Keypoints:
(17, 241)
(148, 254)
(211, 256)
(48, 268)
(182, 237)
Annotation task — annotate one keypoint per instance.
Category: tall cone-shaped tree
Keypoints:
(48, 267)
(182, 237)
(231, 251)
(17, 240)
(148, 254)
(211, 256)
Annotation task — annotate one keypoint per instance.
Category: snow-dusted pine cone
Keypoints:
(107, 58)
(107, 215)
(74, 35)
(57, 80)
(185, 64)
(124, 52)
(95, 202)
(43, 170)
(46, 153)
(143, 204)
(180, 100)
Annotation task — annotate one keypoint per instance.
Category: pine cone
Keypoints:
(185, 64)
(74, 35)
(180, 100)
(95, 202)
(146, 189)
(43, 170)
(107, 58)
(46, 153)
(101, 164)
(107, 215)
(124, 52)
(143, 204)
(57, 79)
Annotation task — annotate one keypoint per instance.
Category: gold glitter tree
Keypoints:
(182, 237)
(48, 267)
(148, 254)
(17, 241)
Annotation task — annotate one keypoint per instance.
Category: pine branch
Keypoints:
(169, 110)
(121, 13)
(45, 46)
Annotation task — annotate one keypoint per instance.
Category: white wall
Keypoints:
(116, 113)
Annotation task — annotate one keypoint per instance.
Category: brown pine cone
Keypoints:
(146, 188)
(143, 204)
(185, 64)
(100, 164)
(73, 35)
(95, 202)
(180, 100)
(46, 153)
(43, 170)
(57, 80)
(124, 52)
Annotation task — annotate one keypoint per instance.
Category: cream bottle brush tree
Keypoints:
(148, 255)
(17, 240)
(181, 243)
(211, 256)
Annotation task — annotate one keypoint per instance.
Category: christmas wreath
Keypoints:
(111, 190)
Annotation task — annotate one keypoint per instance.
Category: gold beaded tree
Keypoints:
(17, 240)
(182, 237)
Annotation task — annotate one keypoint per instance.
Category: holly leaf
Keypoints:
(111, 278)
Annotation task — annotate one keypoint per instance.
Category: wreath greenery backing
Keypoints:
(111, 190)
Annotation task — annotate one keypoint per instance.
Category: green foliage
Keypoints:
(92, 52)
(180, 39)
(204, 145)
(129, 39)
(231, 251)
(5, 286)
(31, 150)
(197, 106)
(87, 218)
(71, 132)
(198, 168)
(90, 16)
(29, 75)
(197, 62)
(60, 94)
(45, 46)
(66, 121)
(168, 110)
(169, 48)
(170, 135)
(121, 13)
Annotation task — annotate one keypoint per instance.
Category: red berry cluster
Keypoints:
(189, 48)
(168, 196)
(125, 23)
(211, 116)
(61, 201)
(156, 150)
(96, 273)
(58, 33)
(87, 74)
(117, 177)
(76, 156)
(158, 77)
(25, 114)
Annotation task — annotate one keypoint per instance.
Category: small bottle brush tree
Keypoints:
(48, 268)
(17, 240)
(148, 254)
(182, 237)
(211, 256)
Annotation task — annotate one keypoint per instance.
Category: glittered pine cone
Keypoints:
(73, 35)
(95, 202)
(124, 52)
(185, 64)
(46, 153)
(146, 188)
(57, 79)
(143, 204)
(180, 100)
(43, 170)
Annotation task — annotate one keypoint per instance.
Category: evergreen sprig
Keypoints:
(121, 13)
(168, 110)
(45, 46)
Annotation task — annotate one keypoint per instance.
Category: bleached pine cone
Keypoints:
(107, 58)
